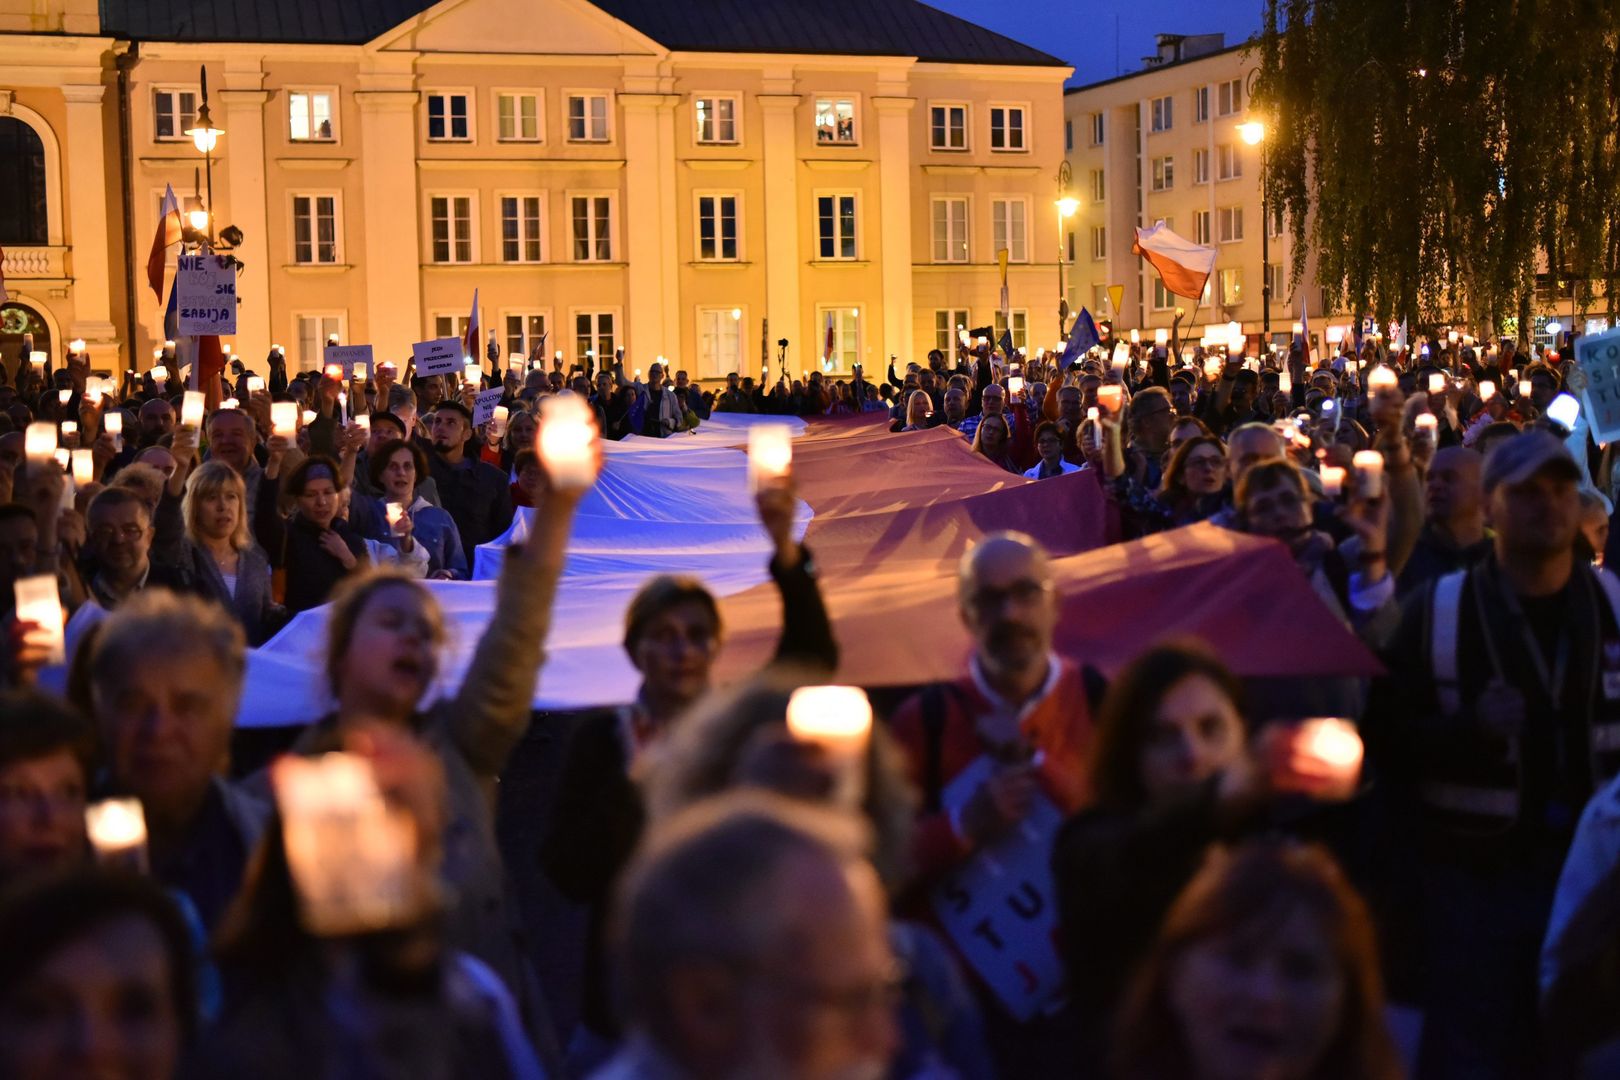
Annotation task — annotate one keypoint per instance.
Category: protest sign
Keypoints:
(1598, 359)
(350, 356)
(441, 356)
(484, 406)
(205, 295)
(1000, 906)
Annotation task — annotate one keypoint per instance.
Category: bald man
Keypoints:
(1454, 536)
(156, 420)
(1023, 710)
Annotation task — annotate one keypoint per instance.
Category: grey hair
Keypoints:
(157, 620)
(400, 396)
(699, 890)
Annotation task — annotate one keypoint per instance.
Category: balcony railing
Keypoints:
(35, 263)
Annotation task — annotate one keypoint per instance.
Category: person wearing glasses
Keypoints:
(1192, 490)
(1049, 444)
(1153, 418)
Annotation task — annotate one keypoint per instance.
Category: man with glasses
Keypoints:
(117, 566)
(1153, 416)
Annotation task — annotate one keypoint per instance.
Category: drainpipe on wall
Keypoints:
(125, 59)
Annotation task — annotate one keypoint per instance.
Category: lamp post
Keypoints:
(1254, 133)
(1067, 204)
(204, 135)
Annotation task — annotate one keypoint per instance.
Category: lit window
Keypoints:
(950, 237)
(716, 120)
(518, 117)
(835, 122)
(309, 116)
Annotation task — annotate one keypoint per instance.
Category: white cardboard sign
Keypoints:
(350, 356)
(1598, 357)
(205, 295)
(484, 406)
(441, 356)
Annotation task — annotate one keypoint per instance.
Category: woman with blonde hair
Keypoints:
(202, 531)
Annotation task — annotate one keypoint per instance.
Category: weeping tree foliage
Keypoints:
(1434, 154)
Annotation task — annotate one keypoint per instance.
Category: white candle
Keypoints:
(37, 359)
(770, 454)
(230, 403)
(471, 374)
(69, 428)
(113, 422)
(1335, 335)
(37, 601)
(39, 442)
(1437, 383)
(334, 371)
(389, 368)
(63, 396)
(308, 416)
(1136, 337)
(1015, 385)
(160, 374)
(1093, 413)
(1369, 465)
(1111, 398)
(566, 442)
(1487, 390)
(1297, 329)
(284, 418)
(94, 390)
(1451, 337)
(839, 720)
(76, 346)
(1426, 425)
(255, 384)
(1382, 378)
(396, 514)
(1335, 743)
(64, 459)
(1285, 381)
(117, 831)
(1525, 388)
(500, 417)
(1161, 336)
(84, 467)
(192, 409)
(1332, 481)
(364, 420)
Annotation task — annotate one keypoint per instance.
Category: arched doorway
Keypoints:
(24, 211)
(17, 319)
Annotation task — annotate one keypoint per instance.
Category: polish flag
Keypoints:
(168, 232)
(1305, 329)
(469, 340)
(827, 350)
(1183, 265)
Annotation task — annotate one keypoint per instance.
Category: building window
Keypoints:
(720, 343)
(448, 118)
(1274, 280)
(1201, 232)
(1099, 186)
(1099, 242)
(1020, 327)
(1007, 128)
(592, 217)
(1069, 244)
(312, 331)
(1201, 105)
(1231, 287)
(1068, 136)
(1007, 228)
(950, 229)
(315, 229)
(173, 111)
(1163, 298)
(524, 330)
(450, 326)
(835, 122)
(588, 118)
(517, 117)
(23, 217)
(1229, 224)
(1229, 163)
(947, 127)
(1276, 222)
(835, 226)
(451, 222)
(1163, 118)
(949, 325)
(310, 116)
(1097, 129)
(594, 334)
(716, 120)
(1164, 173)
(1099, 298)
(1200, 166)
(846, 327)
(1229, 98)
(717, 228)
(521, 228)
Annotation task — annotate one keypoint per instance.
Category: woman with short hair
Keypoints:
(313, 547)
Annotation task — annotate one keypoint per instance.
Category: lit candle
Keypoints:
(1298, 329)
(1136, 337)
(638, 373)
(566, 442)
(839, 720)
(1382, 378)
(1451, 337)
(1335, 335)
(84, 467)
(396, 514)
(1332, 481)
(1437, 383)
(1335, 744)
(472, 374)
(160, 374)
(95, 390)
(364, 421)
(1369, 465)
(308, 417)
(500, 416)
(70, 428)
(1285, 381)
(1093, 414)
(255, 384)
(192, 408)
(37, 359)
(168, 350)
(1525, 388)
(76, 346)
(1161, 336)
(1111, 398)
(38, 601)
(770, 454)
(39, 442)
(331, 339)
(1015, 385)
(389, 368)
(117, 831)
(1487, 390)
(1426, 425)
(114, 423)
(359, 374)
(284, 418)
(334, 371)
(63, 396)
(64, 460)
(230, 403)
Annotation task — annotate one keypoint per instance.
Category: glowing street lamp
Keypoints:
(205, 136)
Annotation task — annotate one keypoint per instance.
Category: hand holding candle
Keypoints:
(770, 455)
(284, 418)
(1369, 466)
(38, 602)
(567, 443)
(1320, 758)
(192, 409)
(1332, 481)
(839, 720)
(117, 832)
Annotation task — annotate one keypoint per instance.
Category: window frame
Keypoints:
(1221, 286)
(1201, 104)
(180, 123)
(739, 325)
(1099, 128)
(1232, 215)
(519, 92)
(1203, 226)
(736, 100)
(697, 226)
(612, 223)
(1099, 243)
(1165, 179)
(1158, 290)
(1009, 199)
(543, 224)
(568, 95)
(956, 320)
(1023, 108)
(336, 196)
(528, 344)
(835, 96)
(596, 313)
(1228, 153)
(1161, 120)
(1099, 185)
(448, 92)
(854, 314)
(471, 195)
(1200, 166)
(334, 108)
(1232, 105)
(341, 315)
(1019, 318)
(836, 194)
(966, 256)
(967, 127)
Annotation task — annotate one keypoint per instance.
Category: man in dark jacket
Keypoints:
(475, 493)
(1454, 535)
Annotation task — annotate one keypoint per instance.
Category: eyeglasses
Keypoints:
(1022, 593)
(127, 533)
(1212, 461)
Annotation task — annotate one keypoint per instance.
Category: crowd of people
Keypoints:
(1211, 877)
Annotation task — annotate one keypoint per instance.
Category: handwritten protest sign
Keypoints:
(1000, 907)
(441, 356)
(350, 356)
(484, 406)
(205, 295)
(1598, 359)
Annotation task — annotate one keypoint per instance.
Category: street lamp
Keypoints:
(1067, 204)
(1253, 132)
(205, 136)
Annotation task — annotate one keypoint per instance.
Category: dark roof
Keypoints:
(818, 27)
(1162, 67)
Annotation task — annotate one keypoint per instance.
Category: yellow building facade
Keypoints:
(604, 175)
